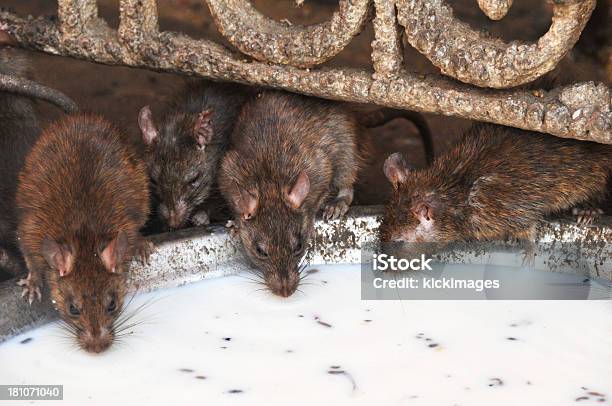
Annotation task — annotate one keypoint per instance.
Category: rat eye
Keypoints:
(73, 310)
(194, 181)
(112, 306)
(261, 251)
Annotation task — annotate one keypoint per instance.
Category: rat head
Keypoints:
(88, 287)
(416, 211)
(183, 157)
(275, 230)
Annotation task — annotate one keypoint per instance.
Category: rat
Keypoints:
(18, 132)
(185, 147)
(496, 183)
(290, 157)
(82, 198)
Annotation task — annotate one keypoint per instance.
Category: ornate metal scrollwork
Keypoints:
(267, 40)
(284, 54)
(465, 54)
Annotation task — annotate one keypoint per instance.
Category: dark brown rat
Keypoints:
(496, 183)
(290, 156)
(18, 133)
(185, 147)
(83, 196)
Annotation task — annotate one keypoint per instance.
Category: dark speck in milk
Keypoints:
(186, 370)
(496, 382)
(591, 394)
(367, 320)
(431, 343)
(521, 323)
(233, 391)
(227, 338)
(322, 322)
(511, 338)
(201, 377)
(335, 370)
(25, 341)
(311, 271)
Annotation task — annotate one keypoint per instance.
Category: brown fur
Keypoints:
(279, 138)
(82, 187)
(496, 183)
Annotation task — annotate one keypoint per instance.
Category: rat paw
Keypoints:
(201, 218)
(585, 217)
(529, 255)
(335, 209)
(528, 259)
(31, 288)
(232, 226)
(144, 251)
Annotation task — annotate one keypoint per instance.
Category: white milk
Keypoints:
(394, 353)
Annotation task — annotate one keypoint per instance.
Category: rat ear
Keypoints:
(245, 202)
(299, 191)
(59, 257)
(113, 254)
(147, 127)
(203, 129)
(423, 212)
(396, 169)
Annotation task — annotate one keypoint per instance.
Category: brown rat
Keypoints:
(290, 156)
(496, 183)
(185, 147)
(83, 196)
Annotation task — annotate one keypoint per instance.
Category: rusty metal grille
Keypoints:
(288, 57)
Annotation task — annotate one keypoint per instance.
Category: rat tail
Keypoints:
(384, 115)
(28, 88)
(13, 67)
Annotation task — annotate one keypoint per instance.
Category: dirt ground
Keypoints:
(118, 93)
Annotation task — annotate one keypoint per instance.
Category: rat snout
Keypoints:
(96, 342)
(177, 216)
(285, 286)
